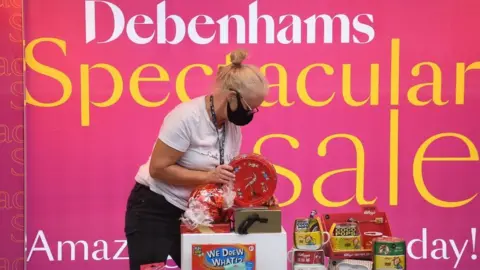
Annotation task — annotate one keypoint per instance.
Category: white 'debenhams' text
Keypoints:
(283, 29)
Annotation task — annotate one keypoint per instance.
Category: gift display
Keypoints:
(349, 241)
(309, 239)
(235, 226)
(353, 233)
(238, 226)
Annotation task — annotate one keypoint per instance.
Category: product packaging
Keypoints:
(223, 257)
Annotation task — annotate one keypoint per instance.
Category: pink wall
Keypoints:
(85, 143)
(11, 137)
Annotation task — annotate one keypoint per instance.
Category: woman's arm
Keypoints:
(173, 141)
(163, 166)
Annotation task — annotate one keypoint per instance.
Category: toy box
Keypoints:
(223, 257)
(270, 248)
(371, 224)
(298, 256)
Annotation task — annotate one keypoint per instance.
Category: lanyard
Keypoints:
(221, 141)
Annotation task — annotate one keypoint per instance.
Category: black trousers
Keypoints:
(152, 228)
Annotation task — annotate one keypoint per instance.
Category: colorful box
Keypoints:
(223, 257)
(371, 223)
(346, 236)
(270, 248)
(298, 256)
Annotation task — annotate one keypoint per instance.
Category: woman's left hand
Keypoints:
(272, 202)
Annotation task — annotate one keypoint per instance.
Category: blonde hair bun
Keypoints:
(237, 57)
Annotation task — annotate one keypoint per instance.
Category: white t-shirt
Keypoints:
(189, 129)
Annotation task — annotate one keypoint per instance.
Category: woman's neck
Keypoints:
(219, 111)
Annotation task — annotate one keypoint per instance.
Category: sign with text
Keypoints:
(370, 103)
(223, 256)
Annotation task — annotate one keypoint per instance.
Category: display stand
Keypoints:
(369, 220)
(271, 248)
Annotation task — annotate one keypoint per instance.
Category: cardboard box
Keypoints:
(272, 215)
(300, 256)
(270, 248)
(223, 256)
(369, 220)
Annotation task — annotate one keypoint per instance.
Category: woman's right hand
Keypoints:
(222, 174)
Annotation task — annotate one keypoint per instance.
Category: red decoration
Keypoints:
(211, 196)
(255, 180)
(215, 228)
(368, 220)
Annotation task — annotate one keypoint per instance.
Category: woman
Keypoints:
(197, 141)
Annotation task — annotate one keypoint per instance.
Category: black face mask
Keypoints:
(240, 116)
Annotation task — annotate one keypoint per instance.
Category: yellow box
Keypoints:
(352, 239)
(346, 242)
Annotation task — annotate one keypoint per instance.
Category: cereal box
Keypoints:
(223, 257)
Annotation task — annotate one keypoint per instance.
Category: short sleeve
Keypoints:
(175, 131)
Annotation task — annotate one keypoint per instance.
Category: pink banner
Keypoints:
(371, 102)
(11, 137)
